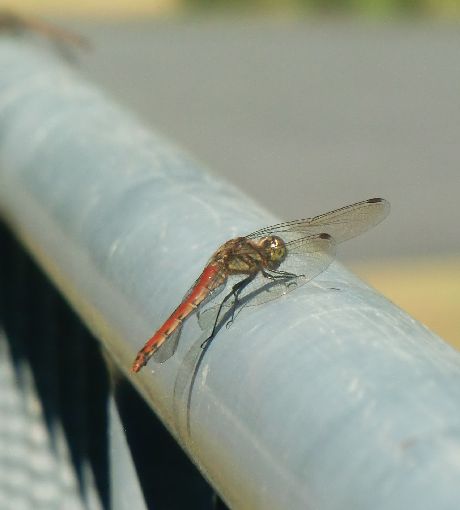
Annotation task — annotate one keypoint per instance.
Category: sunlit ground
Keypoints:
(441, 9)
(428, 289)
(93, 8)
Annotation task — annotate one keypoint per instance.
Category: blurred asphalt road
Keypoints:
(305, 117)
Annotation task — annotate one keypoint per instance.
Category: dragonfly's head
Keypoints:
(274, 250)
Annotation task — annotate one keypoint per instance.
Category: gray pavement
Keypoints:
(305, 117)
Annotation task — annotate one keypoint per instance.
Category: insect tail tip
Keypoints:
(139, 362)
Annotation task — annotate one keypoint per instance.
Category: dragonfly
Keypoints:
(260, 267)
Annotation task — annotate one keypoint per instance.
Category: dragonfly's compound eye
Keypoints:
(276, 251)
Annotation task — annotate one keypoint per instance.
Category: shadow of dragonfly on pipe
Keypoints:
(211, 321)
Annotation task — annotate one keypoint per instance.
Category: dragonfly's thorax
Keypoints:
(247, 256)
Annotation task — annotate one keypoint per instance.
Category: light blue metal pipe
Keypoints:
(326, 399)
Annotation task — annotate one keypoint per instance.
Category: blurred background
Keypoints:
(306, 105)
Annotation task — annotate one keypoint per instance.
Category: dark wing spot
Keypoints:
(323, 235)
(374, 200)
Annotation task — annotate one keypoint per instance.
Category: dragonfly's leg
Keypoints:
(283, 274)
(269, 276)
(279, 275)
(235, 292)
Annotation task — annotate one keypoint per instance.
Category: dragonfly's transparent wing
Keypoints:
(307, 257)
(342, 224)
(210, 308)
(168, 348)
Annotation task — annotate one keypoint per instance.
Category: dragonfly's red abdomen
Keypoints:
(209, 279)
